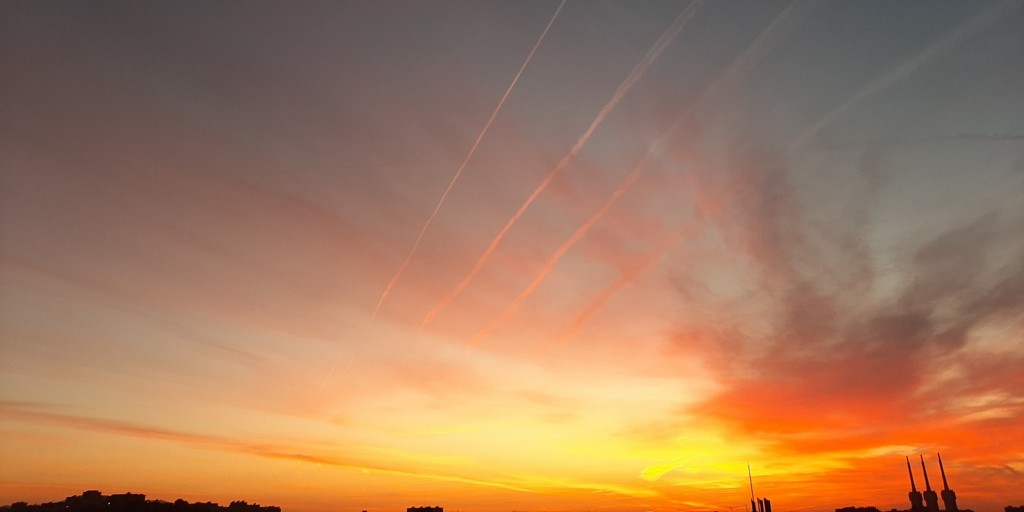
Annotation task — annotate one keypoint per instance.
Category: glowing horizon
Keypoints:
(680, 238)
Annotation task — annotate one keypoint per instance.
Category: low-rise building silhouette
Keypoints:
(858, 509)
(425, 509)
(95, 501)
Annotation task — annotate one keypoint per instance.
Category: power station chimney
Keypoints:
(948, 496)
(916, 504)
(930, 498)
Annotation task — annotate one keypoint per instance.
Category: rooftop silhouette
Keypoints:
(95, 501)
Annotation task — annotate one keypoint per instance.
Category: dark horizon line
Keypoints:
(95, 501)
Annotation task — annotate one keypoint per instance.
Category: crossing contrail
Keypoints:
(563, 249)
(625, 279)
(741, 63)
(908, 67)
(465, 161)
(631, 79)
(968, 28)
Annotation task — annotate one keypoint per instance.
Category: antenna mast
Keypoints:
(751, 477)
(753, 503)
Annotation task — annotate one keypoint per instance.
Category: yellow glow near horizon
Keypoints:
(352, 256)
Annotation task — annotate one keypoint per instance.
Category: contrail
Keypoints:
(629, 277)
(741, 63)
(334, 367)
(564, 248)
(329, 374)
(620, 92)
(750, 55)
(344, 372)
(625, 279)
(472, 151)
(981, 21)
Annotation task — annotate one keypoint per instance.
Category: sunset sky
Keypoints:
(512, 255)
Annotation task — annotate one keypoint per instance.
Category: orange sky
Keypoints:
(365, 256)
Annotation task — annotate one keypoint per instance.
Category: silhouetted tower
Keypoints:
(916, 501)
(948, 496)
(753, 504)
(761, 504)
(931, 499)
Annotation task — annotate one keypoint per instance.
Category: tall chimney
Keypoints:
(916, 501)
(945, 484)
(931, 499)
(948, 496)
(927, 484)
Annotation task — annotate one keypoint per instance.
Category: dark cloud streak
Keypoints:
(837, 357)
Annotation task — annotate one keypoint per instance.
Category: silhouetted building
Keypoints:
(425, 509)
(858, 509)
(1011, 508)
(89, 497)
(126, 501)
(948, 496)
(916, 500)
(94, 501)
